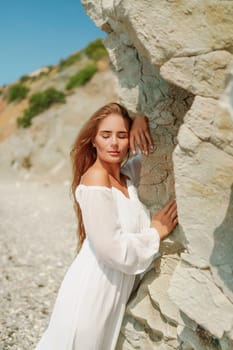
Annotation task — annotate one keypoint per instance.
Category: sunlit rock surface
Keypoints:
(173, 62)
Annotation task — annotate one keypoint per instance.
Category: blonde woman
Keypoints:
(118, 240)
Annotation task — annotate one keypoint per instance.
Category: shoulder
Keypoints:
(96, 177)
(94, 188)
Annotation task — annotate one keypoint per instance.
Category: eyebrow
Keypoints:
(109, 131)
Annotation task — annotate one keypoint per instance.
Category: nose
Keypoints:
(114, 140)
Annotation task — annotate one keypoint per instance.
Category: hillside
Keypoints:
(41, 113)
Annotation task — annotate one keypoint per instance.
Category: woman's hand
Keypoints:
(166, 219)
(140, 134)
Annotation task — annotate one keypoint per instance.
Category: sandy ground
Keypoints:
(37, 244)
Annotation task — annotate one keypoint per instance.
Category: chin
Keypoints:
(117, 160)
(114, 159)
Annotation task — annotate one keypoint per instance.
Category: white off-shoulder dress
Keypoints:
(119, 245)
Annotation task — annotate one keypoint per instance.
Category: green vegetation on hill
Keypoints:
(38, 103)
(17, 92)
(82, 76)
(43, 73)
(24, 78)
(70, 60)
(95, 50)
(41, 101)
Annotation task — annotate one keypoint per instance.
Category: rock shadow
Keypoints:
(221, 258)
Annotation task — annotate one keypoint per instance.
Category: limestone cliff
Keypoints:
(172, 59)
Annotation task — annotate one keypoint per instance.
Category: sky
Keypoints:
(37, 33)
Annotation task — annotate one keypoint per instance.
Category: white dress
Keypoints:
(119, 245)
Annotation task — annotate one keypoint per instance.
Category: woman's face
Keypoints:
(112, 139)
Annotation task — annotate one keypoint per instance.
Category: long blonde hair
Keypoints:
(83, 155)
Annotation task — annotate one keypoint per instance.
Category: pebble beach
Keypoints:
(37, 244)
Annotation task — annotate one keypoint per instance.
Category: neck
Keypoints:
(113, 169)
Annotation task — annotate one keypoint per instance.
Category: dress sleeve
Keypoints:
(132, 168)
(128, 252)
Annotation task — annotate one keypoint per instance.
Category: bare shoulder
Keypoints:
(96, 177)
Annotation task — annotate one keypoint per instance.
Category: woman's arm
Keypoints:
(140, 135)
(128, 252)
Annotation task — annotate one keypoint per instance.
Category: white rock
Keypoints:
(197, 296)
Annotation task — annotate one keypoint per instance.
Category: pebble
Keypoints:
(37, 245)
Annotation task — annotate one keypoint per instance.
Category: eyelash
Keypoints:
(120, 137)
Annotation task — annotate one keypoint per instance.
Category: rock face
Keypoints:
(172, 60)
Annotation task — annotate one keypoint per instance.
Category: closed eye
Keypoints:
(121, 135)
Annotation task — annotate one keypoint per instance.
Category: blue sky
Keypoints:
(39, 33)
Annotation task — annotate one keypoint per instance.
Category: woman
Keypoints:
(117, 238)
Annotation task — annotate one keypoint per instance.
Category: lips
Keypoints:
(114, 152)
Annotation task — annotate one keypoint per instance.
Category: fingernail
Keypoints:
(152, 147)
(146, 153)
(134, 152)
